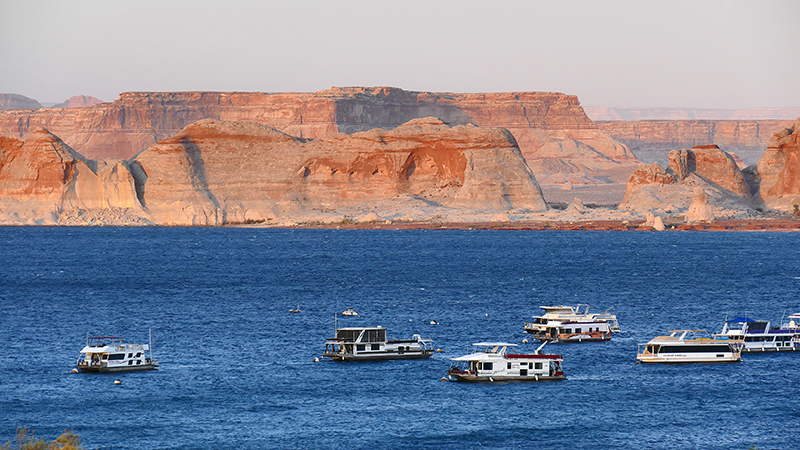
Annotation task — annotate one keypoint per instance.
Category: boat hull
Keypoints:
(378, 357)
(687, 359)
(96, 369)
(499, 378)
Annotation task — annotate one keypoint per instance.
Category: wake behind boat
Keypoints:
(370, 344)
(110, 354)
(492, 362)
(759, 336)
(688, 346)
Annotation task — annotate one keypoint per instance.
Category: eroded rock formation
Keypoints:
(551, 129)
(652, 140)
(217, 172)
(705, 168)
(777, 174)
(41, 178)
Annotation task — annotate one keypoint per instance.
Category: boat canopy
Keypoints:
(494, 344)
(740, 320)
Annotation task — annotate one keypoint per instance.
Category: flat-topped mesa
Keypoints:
(540, 121)
(41, 178)
(777, 173)
(706, 168)
(216, 172)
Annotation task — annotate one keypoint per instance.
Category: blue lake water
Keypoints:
(237, 369)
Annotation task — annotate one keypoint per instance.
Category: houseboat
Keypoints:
(492, 362)
(370, 344)
(110, 354)
(572, 324)
(760, 336)
(689, 346)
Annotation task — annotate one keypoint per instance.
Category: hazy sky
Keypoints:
(697, 53)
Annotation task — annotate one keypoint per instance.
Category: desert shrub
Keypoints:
(26, 440)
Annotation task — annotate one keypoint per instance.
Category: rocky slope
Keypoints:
(216, 172)
(551, 129)
(652, 140)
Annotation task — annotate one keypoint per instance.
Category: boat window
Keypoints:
(139, 354)
(487, 366)
(376, 346)
(347, 335)
(105, 357)
(508, 366)
(523, 372)
(374, 335)
(568, 330)
(538, 366)
(361, 347)
(577, 330)
(695, 348)
(115, 356)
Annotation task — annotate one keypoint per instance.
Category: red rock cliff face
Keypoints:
(778, 171)
(42, 177)
(215, 172)
(651, 140)
(540, 121)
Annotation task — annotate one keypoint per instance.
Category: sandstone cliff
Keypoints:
(551, 129)
(216, 172)
(777, 174)
(673, 114)
(42, 178)
(652, 140)
(695, 180)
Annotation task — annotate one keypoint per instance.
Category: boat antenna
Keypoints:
(87, 338)
(150, 332)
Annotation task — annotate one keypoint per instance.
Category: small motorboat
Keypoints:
(349, 312)
(297, 310)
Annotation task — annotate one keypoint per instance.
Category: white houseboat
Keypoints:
(110, 354)
(572, 324)
(759, 336)
(689, 346)
(370, 343)
(492, 362)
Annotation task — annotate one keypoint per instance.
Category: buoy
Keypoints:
(74, 370)
(486, 315)
(438, 350)
(491, 379)
(316, 359)
(117, 381)
(524, 341)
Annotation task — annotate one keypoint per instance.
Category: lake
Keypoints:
(237, 369)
